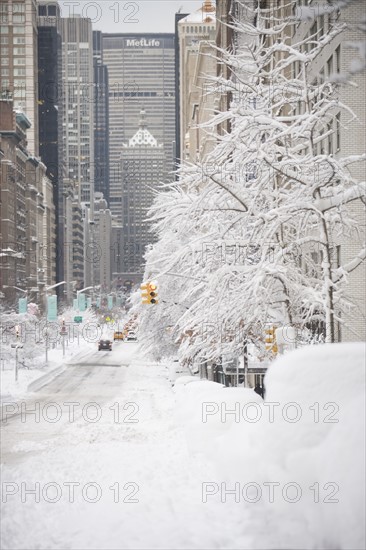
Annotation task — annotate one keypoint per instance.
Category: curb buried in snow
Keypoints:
(53, 373)
(39, 382)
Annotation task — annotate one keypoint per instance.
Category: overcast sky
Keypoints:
(129, 16)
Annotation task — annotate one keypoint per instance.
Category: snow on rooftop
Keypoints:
(205, 14)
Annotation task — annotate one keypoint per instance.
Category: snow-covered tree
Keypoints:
(253, 231)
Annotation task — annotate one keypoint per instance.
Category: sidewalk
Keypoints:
(32, 379)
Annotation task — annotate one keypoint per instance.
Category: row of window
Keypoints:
(16, 61)
(16, 40)
(16, 50)
(4, 19)
(16, 30)
(197, 29)
(19, 71)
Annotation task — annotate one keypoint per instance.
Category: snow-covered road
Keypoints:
(101, 463)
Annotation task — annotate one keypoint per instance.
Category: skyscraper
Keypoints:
(142, 168)
(50, 110)
(77, 145)
(141, 75)
(101, 122)
(78, 108)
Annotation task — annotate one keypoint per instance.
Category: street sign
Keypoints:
(88, 302)
(75, 304)
(51, 308)
(78, 319)
(110, 302)
(22, 305)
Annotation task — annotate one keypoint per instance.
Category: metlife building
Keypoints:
(141, 77)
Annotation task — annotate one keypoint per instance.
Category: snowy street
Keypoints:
(144, 488)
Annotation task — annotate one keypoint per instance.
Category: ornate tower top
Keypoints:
(208, 7)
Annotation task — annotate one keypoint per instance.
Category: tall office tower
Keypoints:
(142, 168)
(101, 128)
(197, 67)
(19, 71)
(102, 243)
(141, 75)
(78, 107)
(50, 112)
(178, 17)
(77, 143)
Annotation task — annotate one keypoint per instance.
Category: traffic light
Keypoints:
(149, 296)
(271, 339)
(17, 331)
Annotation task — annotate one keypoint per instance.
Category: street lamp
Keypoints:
(54, 286)
(46, 329)
(86, 288)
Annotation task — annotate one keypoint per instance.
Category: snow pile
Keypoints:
(296, 460)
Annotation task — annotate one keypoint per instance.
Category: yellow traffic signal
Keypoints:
(149, 296)
(270, 339)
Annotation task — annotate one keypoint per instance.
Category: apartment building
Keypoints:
(344, 135)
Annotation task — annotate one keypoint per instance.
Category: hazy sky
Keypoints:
(129, 16)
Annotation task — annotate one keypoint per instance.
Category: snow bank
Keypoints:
(297, 459)
(202, 406)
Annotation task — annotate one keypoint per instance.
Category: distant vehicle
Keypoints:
(118, 335)
(131, 336)
(105, 344)
(177, 370)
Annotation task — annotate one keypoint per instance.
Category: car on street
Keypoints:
(105, 344)
(131, 336)
(118, 335)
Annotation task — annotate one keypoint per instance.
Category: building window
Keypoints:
(19, 18)
(19, 40)
(3, 13)
(19, 72)
(19, 51)
(4, 30)
(4, 61)
(338, 131)
(338, 59)
(19, 8)
(4, 72)
(19, 30)
(19, 61)
(4, 40)
(330, 66)
(19, 83)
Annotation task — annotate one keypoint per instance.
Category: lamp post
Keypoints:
(16, 346)
(46, 330)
